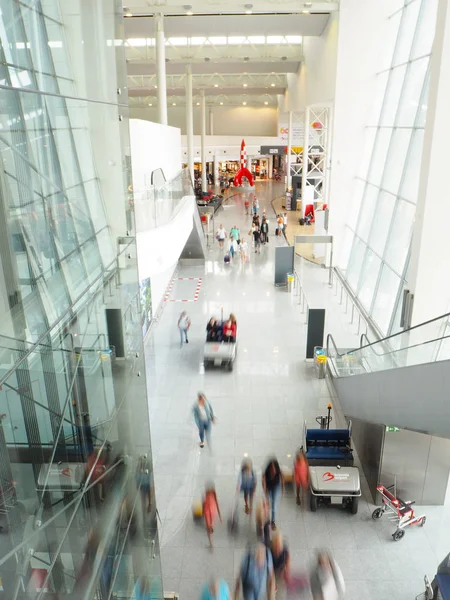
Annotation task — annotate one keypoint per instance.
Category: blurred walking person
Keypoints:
(204, 417)
(247, 484)
(184, 324)
(301, 475)
(216, 589)
(327, 582)
(281, 559)
(256, 575)
(264, 231)
(210, 510)
(273, 484)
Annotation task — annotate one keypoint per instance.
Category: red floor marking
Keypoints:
(171, 284)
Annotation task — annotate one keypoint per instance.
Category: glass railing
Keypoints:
(424, 343)
(157, 204)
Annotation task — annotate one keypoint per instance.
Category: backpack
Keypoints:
(226, 258)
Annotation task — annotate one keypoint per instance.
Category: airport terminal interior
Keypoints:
(225, 354)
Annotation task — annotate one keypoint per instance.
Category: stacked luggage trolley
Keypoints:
(333, 478)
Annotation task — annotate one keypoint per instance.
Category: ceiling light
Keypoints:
(266, 103)
(188, 9)
(244, 85)
(198, 103)
(127, 12)
(156, 87)
(308, 3)
(150, 104)
(221, 104)
(248, 9)
(305, 12)
(244, 104)
(216, 85)
(272, 85)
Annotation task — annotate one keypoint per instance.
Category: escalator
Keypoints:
(401, 380)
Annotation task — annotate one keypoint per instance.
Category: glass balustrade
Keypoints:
(424, 343)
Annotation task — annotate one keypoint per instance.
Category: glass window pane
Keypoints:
(369, 276)
(355, 262)
(390, 33)
(410, 183)
(423, 104)
(381, 222)
(367, 211)
(412, 93)
(425, 29)
(385, 299)
(379, 93)
(369, 139)
(400, 236)
(406, 33)
(393, 91)
(379, 155)
(346, 248)
(396, 159)
(355, 204)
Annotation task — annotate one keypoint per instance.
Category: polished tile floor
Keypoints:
(261, 407)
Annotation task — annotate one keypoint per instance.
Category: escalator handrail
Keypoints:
(388, 337)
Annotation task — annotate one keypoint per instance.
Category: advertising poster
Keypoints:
(146, 304)
(283, 131)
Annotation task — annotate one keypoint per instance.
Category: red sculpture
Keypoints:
(243, 171)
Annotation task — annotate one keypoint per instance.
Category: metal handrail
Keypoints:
(301, 294)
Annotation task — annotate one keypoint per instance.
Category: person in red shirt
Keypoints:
(229, 331)
(210, 509)
(301, 474)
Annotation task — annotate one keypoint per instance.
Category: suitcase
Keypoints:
(301, 221)
(226, 258)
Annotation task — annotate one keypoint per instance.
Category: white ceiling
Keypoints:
(230, 7)
(256, 49)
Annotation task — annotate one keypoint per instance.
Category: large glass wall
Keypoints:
(379, 225)
(77, 511)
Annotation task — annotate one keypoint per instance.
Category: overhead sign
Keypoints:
(280, 150)
(391, 428)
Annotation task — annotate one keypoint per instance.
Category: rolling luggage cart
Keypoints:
(219, 354)
(399, 511)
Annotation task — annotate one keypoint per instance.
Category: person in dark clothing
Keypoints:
(264, 231)
(212, 330)
(273, 485)
(280, 557)
(257, 238)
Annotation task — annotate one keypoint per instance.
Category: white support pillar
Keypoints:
(289, 150)
(305, 166)
(249, 163)
(203, 139)
(216, 169)
(161, 69)
(270, 169)
(211, 122)
(190, 122)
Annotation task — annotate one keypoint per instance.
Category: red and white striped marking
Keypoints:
(243, 157)
(170, 288)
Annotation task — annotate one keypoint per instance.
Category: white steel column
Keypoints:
(190, 122)
(216, 169)
(203, 138)
(270, 168)
(288, 165)
(161, 69)
(305, 166)
(211, 122)
(249, 163)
